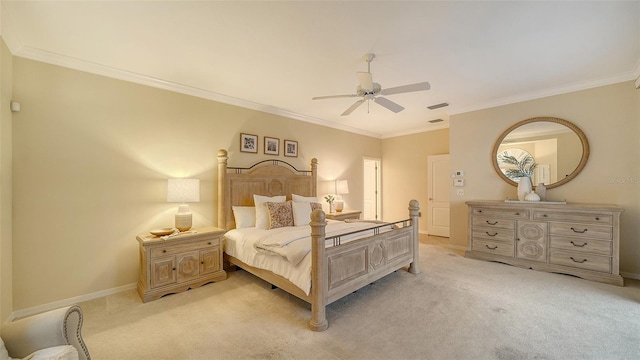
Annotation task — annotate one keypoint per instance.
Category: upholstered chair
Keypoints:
(54, 334)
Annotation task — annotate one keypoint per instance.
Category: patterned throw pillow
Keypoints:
(280, 214)
(315, 206)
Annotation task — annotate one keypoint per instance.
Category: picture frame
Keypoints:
(271, 145)
(291, 148)
(249, 143)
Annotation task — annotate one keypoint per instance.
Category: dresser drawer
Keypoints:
(492, 222)
(600, 232)
(502, 213)
(174, 249)
(601, 247)
(494, 247)
(581, 260)
(604, 219)
(493, 233)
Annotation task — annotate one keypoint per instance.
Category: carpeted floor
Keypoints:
(457, 308)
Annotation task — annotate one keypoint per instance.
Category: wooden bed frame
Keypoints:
(337, 270)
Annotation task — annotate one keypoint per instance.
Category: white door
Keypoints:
(438, 205)
(371, 208)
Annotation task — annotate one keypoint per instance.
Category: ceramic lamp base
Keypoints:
(183, 218)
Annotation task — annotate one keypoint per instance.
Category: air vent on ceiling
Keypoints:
(437, 106)
(435, 121)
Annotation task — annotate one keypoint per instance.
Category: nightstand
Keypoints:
(179, 263)
(345, 214)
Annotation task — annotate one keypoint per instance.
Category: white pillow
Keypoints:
(304, 199)
(245, 216)
(262, 213)
(302, 212)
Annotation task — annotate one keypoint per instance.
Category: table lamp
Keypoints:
(342, 187)
(183, 191)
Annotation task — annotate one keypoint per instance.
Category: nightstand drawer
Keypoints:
(176, 249)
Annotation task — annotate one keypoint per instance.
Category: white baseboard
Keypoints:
(67, 302)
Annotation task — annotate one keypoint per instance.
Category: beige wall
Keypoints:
(91, 159)
(404, 172)
(610, 118)
(6, 264)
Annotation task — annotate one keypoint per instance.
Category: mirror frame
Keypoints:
(573, 127)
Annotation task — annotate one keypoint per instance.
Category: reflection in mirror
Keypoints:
(558, 147)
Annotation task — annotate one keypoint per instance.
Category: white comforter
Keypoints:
(286, 251)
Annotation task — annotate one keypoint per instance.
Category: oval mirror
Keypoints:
(558, 147)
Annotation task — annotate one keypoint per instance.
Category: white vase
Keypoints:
(541, 190)
(524, 187)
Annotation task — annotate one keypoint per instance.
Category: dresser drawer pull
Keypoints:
(164, 251)
(491, 223)
(544, 215)
(491, 248)
(517, 213)
(574, 244)
(494, 234)
(578, 231)
(209, 243)
(579, 262)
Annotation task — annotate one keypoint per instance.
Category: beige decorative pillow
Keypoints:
(280, 214)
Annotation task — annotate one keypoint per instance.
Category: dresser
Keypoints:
(575, 239)
(180, 262)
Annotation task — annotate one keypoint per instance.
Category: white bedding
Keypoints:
(286, 251)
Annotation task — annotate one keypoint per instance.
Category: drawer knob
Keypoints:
(578, 261)
(578, 231)
(574, 244)
(517, 213)
(164, 251)
(491, 223)
(174, 269)
(544, 215)
(209, 243)
(597, 218)
(494, 234)
(491, 248)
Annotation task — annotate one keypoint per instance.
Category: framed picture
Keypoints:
(271, 146)
(249, 143)
(291, 148)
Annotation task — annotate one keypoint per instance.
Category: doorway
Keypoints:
(372, 190)
(439, 185)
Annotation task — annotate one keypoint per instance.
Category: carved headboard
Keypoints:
(236, 186)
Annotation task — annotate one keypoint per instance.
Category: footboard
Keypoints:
(344, 268)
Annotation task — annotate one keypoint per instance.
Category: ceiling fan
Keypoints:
(369, 90)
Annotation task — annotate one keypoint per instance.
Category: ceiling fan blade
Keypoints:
(334, 97)
(406, 88)
(388, 104)
(366, 80)
(353, 107)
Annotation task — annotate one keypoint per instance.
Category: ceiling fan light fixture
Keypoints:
(437, 106)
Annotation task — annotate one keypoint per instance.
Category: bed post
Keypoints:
(414, 213)
(222, 173)
(314, 174)
(319, 273)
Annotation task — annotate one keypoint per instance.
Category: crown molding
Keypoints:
(111, 72)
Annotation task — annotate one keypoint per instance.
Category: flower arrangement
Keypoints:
(329, 198)
(523, 168)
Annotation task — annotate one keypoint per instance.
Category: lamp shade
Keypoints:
(183, 190)
(342, 187)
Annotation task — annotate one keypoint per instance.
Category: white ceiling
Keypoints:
(276, 56)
